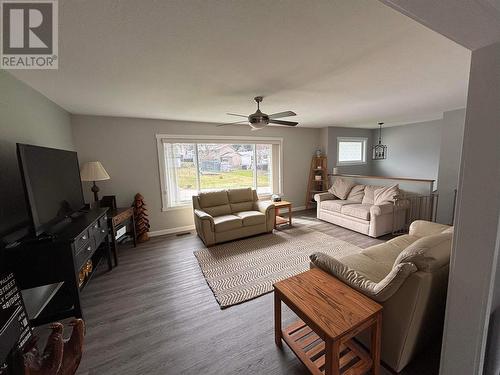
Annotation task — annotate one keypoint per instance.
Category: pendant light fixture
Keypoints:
(379, 151)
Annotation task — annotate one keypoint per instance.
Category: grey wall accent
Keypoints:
(413, 150)
(127, 149)
(333, 134)
(449, 162)
(323, 142)
(26, 116)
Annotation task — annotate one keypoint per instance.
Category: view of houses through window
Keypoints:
(194, 167)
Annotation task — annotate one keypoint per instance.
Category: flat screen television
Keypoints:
(52, 185)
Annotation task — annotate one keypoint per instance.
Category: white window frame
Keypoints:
(173, 138)
(363, 140)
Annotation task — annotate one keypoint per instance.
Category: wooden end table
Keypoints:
(280, 220)
(117, 218)
(332, 314)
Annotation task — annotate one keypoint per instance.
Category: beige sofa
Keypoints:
(408, 275)
(226, 215)
(358, 211)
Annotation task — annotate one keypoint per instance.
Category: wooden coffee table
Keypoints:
(279, 219)
(331, 314)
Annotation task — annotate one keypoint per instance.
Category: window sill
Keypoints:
(349, 164)
(177, 208)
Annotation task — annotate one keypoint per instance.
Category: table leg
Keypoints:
(376, 334)
(114, 244)
(277, 320)
(332, 355)
(290, 215)
(108, 253)
(134, 232)
(276, 213)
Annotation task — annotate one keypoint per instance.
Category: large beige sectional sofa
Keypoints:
(227, 215)
(408, 275)
(355, 207)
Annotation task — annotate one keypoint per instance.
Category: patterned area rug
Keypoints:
(242, 270)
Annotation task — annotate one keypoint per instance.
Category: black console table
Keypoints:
(48, 270)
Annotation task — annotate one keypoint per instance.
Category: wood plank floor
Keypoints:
(154, 314)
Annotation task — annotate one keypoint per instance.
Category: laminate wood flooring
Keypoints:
(154, 314)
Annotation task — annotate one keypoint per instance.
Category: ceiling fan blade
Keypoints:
(235, 114)
(233, 123)
(281, 122)
(283, 114)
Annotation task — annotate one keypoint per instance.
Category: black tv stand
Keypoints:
(57, 260)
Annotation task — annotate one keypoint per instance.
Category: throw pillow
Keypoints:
(357, 193)
(369, 198)
(341, 187)
(385, 194)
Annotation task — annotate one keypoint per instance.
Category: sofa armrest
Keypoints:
(203, 215)
(383, 209)
(264, 206)
(422, 228)
(324, 197)
(267, 208)
(380, 292)
(205, 226)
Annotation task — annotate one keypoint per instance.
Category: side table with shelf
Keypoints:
(278, 206)
(331, 315)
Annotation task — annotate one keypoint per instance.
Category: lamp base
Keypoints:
(95, 190)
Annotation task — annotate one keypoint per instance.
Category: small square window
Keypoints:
(351, 151)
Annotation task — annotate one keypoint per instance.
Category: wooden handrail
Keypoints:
(383, 177)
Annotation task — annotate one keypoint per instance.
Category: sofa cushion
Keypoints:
(251, 217)
(242, 206)
(361, 211)
(373, 270)
(341, 187)
(385, 194)
(380, 290)
(227, 222)
(240, 195)
(428, 253)
(225, 209)
(356, 194)
(369, 197)
(214, 198)
(335, 205)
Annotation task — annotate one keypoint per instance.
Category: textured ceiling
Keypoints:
(335, 63)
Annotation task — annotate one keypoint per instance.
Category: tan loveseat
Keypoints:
(357, 210)
(408, 275)
(226, 215)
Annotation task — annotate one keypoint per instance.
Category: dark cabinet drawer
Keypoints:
(83, 255)
(82, 240)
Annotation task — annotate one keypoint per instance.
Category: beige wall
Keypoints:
(127, 148)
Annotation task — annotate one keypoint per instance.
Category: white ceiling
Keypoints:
(335, 63)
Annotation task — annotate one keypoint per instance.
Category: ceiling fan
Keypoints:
(259, 120)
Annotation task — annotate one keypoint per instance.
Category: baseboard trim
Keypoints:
(175, 230)
(189, 228)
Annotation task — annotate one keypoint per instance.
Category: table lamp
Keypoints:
(94, 171)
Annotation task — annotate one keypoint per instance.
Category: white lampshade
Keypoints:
(93, 171)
